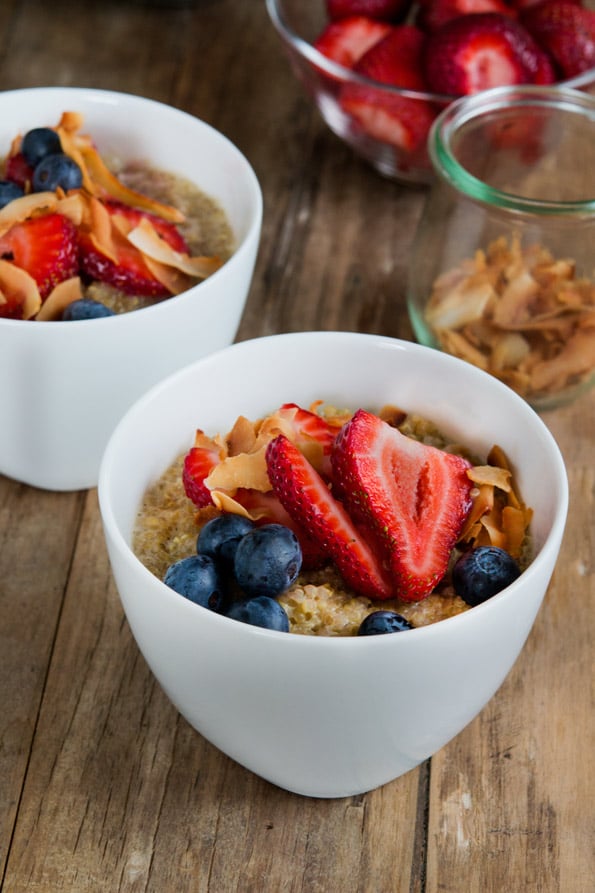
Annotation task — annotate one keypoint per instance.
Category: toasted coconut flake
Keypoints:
(242, 437)
(149, 242)
(491, 476)
(20, 209)
(247, 470)
(527, 333)
(105, 184)
(59, 298)
(21, 287)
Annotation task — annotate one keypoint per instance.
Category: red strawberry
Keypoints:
(312, 435)
(198, 464)
(476, 52)
(415, 497)
(396, 61)
(307, 498)
(567, 31)
(385, 10)
(347, 40)
(17, 170)
(432, 14)
(46, 247)
(131, 273)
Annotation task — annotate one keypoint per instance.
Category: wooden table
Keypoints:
(103, 787)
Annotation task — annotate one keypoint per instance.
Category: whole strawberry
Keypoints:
(567, 31)
(477, 52)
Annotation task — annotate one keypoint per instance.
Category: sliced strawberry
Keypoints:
(567, 31)
(17, 170)
(432, 14)
(477, 52)
(130, 274)
(347, 40)
(308, 500)
(198, 464)
(311, 434)
(46, 247)
(385, 10)
(395, 61)
(414, 496)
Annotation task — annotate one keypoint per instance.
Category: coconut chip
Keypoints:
(518, 313)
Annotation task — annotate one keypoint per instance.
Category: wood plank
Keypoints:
(512, 797)
(37, 530)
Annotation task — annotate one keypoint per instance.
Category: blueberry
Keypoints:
(55, 171)
(8, 192)
(482, 572)
(267, 560)
(38, 143)
(220, 536)
(197, 578)
(85, 308)
(379, 622)
(260, 611)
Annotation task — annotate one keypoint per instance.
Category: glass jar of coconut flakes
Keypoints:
(502, 271)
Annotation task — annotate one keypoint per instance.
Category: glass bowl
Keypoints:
(298, 24)
(502, 268)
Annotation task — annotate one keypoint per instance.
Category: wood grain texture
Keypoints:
(104, 787)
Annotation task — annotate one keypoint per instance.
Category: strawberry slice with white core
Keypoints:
(345, 41)
(308, 500)
(415, 498)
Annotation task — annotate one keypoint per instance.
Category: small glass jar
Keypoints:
(502, 270)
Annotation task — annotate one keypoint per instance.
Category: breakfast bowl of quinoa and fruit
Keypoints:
(128, 237)
(332, 560)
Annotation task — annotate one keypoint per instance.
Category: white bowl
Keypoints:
(66, 384)
(328, 717)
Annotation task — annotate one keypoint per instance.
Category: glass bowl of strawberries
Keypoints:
(380, 71)
(111, 273)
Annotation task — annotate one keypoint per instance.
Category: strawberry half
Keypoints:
(312, 434)
(308, 500)
(396, 61)
(130, 274)
(198, 464)
(567, 31)
(413, 496)
(46, 247)
(385, 10)
(346, 40)
(477, 52)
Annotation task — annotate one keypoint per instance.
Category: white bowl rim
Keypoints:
(252, 185)
(305, 641)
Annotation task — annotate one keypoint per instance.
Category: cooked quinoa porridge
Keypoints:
(320, 602)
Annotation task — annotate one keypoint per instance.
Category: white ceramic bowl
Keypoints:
(66, 384)
(328, 717)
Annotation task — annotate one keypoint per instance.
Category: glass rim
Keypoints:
(467, 108)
